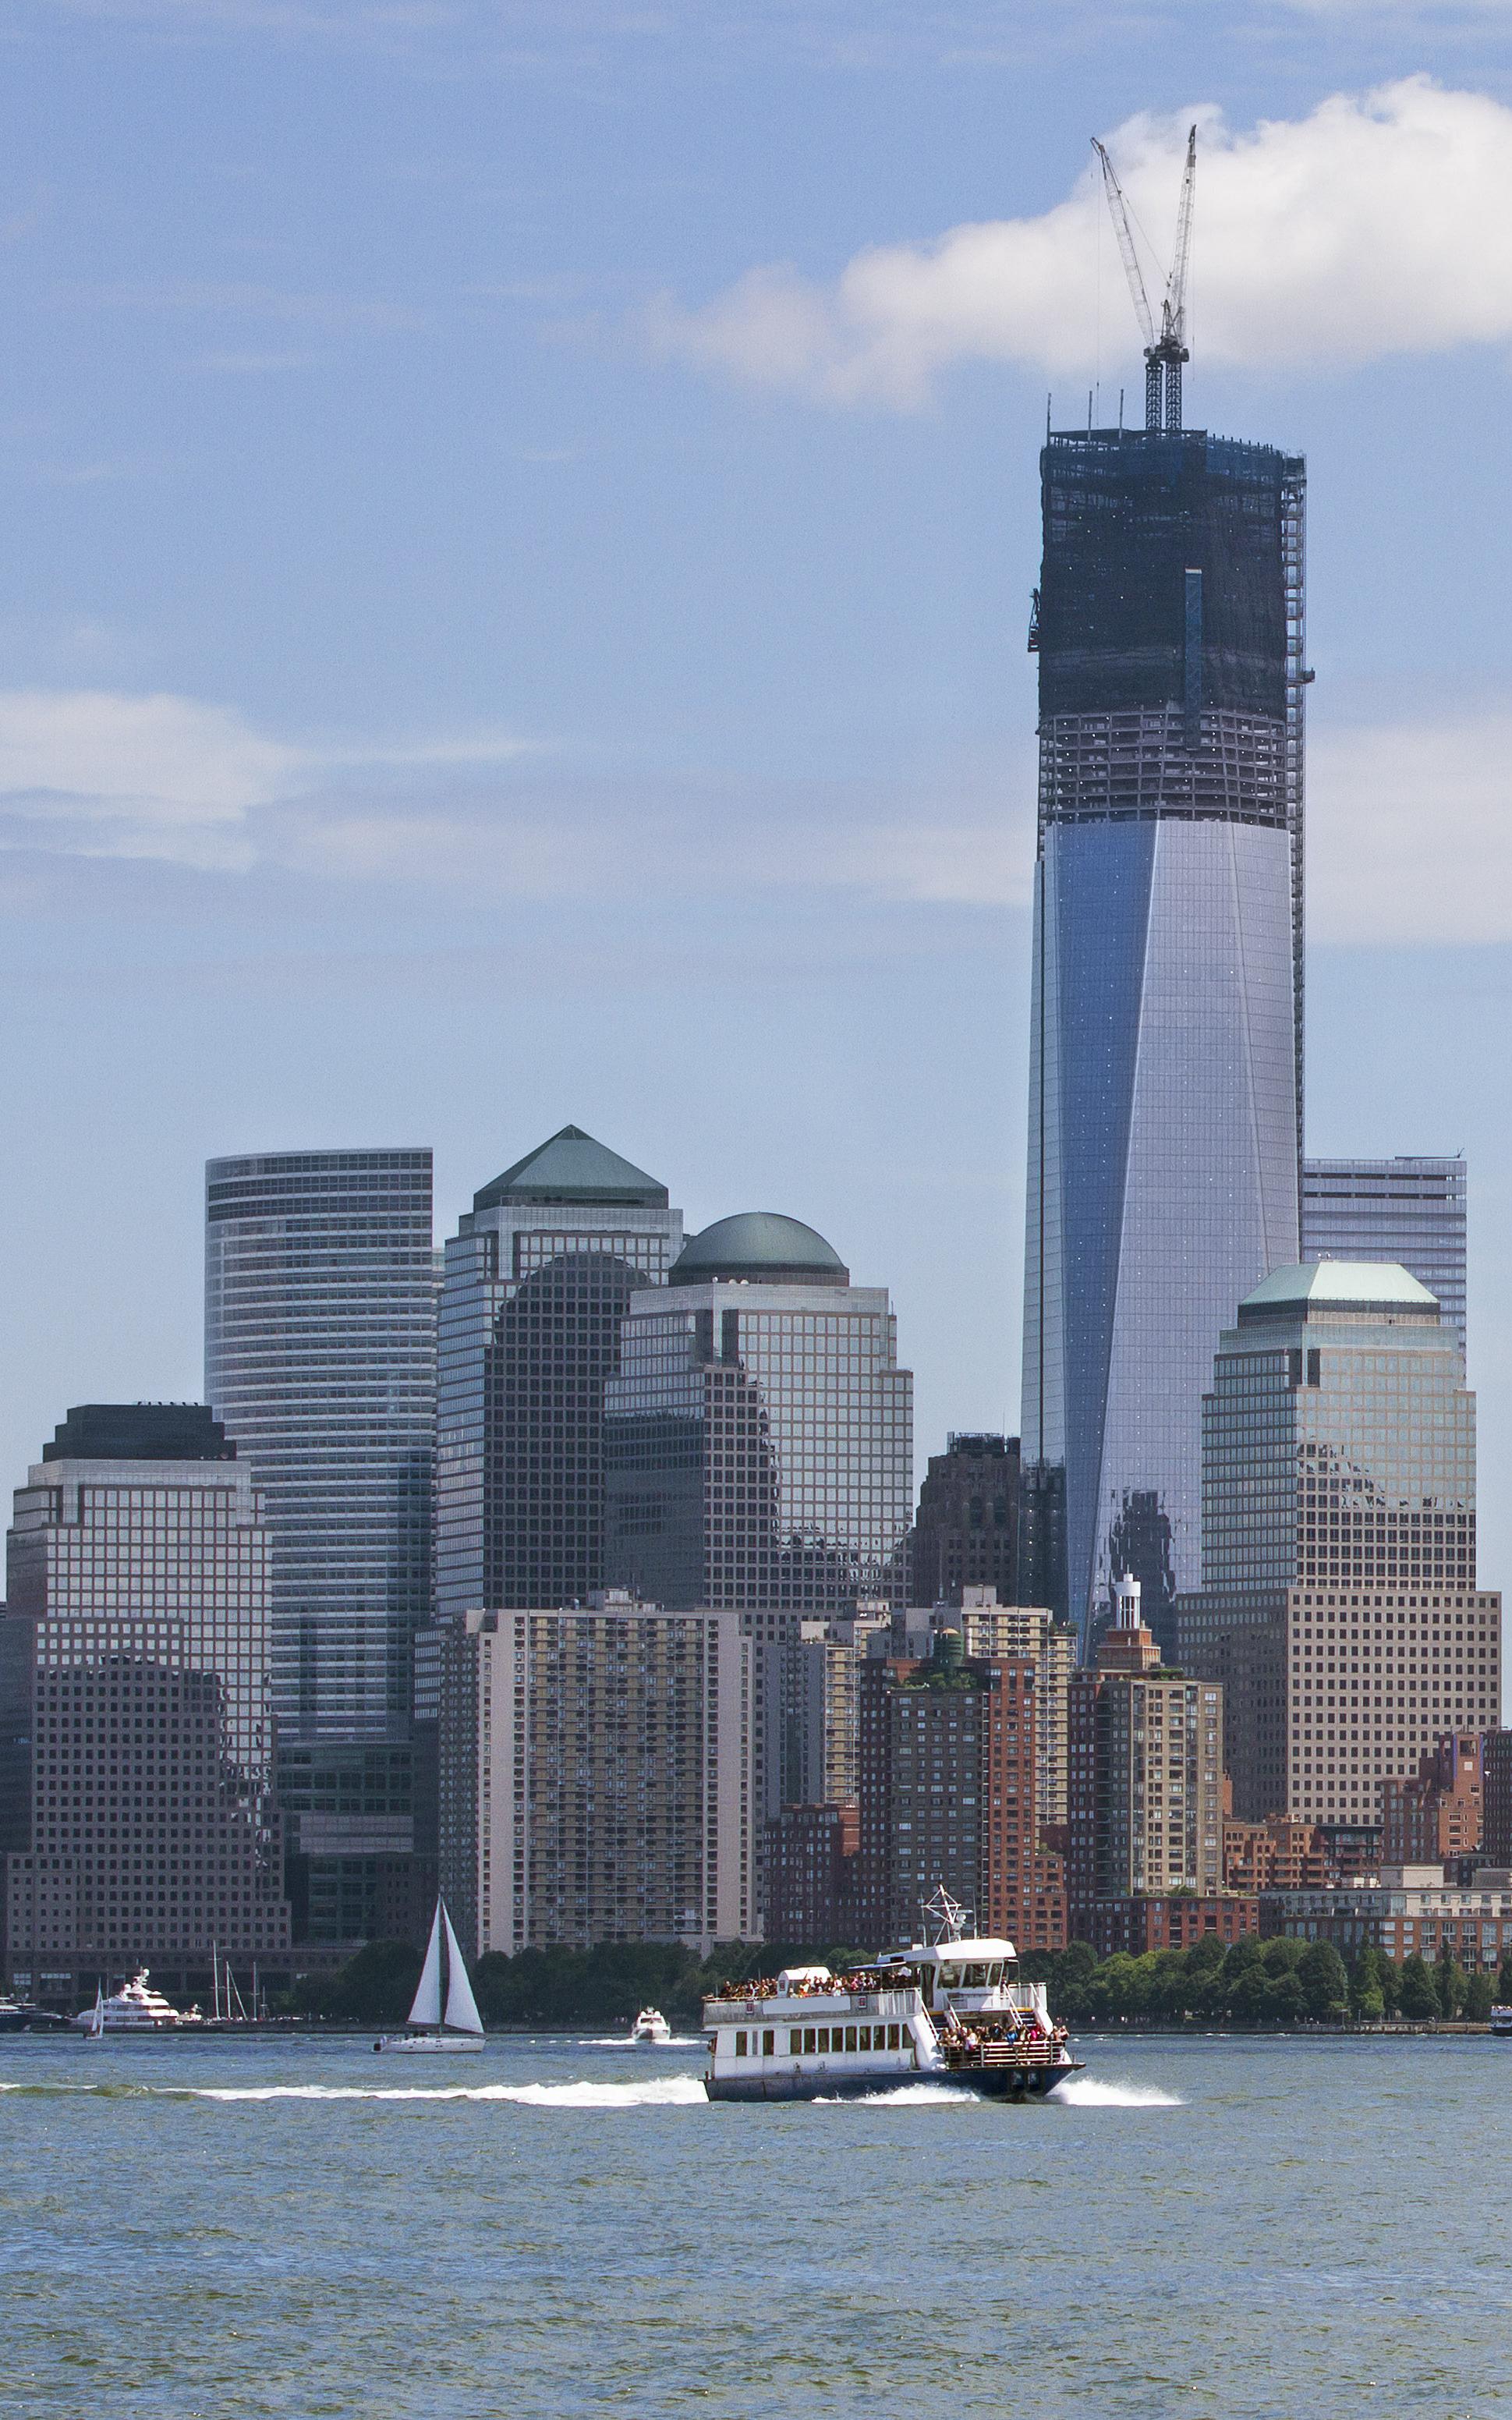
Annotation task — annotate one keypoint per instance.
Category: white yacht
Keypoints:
(438, 2023)
(136, 2009)
(951, 2010)
(651, 2028)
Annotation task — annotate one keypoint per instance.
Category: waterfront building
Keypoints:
(947, 1795)
(1402, 1912)
(1434, 1815)
(1277, 1854)
(136, 1801)
(1145, 1814)
(1408, 1210)
(320, 1360)
(1339, 1605)
(1137, 1926)
(538, 1280)
(811, 1863)
(758, 1432)
(1164, 1086)
(597, 1777)
(1496, 1763)
(966, 1531)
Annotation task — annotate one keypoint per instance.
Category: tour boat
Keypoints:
(136, 2009)
(460, 2027)
(650, 2027)
(949, 2011)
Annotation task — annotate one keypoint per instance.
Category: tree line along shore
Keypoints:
(1252, 1983)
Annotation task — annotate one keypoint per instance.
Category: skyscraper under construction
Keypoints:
(1165, 1065)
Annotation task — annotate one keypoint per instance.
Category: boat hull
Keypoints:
(985, 2084)
(429, 2044)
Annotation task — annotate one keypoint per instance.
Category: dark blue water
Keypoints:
(1224, 2229)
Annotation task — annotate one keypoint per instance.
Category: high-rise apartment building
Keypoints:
(966, 1531)
(758, 1432)
(539, 1278)
(1411, 1211)
(1029, 1634)
(1146, 1787)
(1164, 1083)
(946, 1794)
(1496, 1785)
(136, 1728)
(597, 1777)
(1435, 1816)
(1339, 1605)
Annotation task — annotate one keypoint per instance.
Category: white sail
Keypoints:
(461, 2008)
(427, 2003)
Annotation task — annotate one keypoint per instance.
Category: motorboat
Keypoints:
(444, 2014)
(650, 2029)
(137, 2009)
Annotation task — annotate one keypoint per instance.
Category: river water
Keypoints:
(1230, 2230)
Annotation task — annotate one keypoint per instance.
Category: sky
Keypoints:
(516, 543)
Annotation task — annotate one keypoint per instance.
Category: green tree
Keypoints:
(1503, 1980)
(1282, 1955)
(1419, 1993)
(1324, 1985)
(1450, 1981)
(1368, 1997)
(1480, 1990)
(1391, 1984)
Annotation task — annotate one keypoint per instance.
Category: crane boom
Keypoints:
(1166, 354)
(1118, 210)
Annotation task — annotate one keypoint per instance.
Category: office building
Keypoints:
(597, 1777)
(539, 1277)
(1339, 1605)
(1496, 1784)
(135, 1730)
(1164, 1086)
(758, 1432)
(947, 1795)
(1411, 1211)
(1434, 1816)
(966, 1531)
(1146, 1778)
(320, 1360)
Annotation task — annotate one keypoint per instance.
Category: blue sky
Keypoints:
(518, 525)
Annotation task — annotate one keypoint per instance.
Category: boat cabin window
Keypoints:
(740, 2045)
(769, 2043)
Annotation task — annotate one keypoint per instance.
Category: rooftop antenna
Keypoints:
(1166, 354)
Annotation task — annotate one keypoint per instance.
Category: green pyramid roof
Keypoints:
(1344, 1285)
(572, 1167)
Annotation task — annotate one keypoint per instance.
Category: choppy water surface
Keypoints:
(1256, 2230)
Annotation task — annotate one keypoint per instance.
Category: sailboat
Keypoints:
(460, 2027)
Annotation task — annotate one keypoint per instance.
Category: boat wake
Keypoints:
(623, 2041)
(668, 2091)
(907, 2096)
(1091, 2092)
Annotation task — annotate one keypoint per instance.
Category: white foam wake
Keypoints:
(900, 2096)
(1091, 2092)
(668, 2091)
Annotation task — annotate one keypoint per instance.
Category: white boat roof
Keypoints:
(977, 1947)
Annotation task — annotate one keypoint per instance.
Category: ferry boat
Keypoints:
(951, 2010)
(651, 2028)
(136, 2009)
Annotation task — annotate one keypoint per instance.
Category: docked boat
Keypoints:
(14, 2018)
(651, 2028)
(1500, 2020)
(440, 2021)
(136, 2009)
(950, 2010)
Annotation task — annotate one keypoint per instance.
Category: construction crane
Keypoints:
(1163, 353)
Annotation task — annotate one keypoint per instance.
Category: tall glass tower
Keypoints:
(1166, 1065)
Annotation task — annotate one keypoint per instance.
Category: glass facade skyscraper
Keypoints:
(1409, 1210)
(539, 1277)
(320, 1358)
(1339, 1605)
(759, 1433)
(1166, 1051)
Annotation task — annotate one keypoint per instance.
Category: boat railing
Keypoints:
(763, 2008)
(1026, 2050)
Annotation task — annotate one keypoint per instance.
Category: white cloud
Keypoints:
(1380, 224)
(1409, 833)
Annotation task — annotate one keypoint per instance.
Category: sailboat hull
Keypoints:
(429, 2041)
